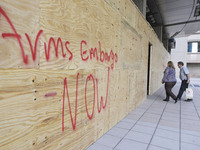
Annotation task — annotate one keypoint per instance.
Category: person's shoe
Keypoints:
(178, 99)
(188, 100)
(165, 100)
(175, 100)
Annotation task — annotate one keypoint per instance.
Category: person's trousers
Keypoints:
(168, 89)
(183, 87)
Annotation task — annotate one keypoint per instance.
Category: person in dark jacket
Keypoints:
(170, 80)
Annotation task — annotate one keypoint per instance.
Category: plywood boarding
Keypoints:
(38, 95)
(36, 118)
(130, 47)
(77, 21)
(24, 16)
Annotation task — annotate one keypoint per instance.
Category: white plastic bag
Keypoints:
(189, 93)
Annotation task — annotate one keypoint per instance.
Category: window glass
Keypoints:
(193, 47)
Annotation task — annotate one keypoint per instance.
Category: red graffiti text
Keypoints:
(99, 105)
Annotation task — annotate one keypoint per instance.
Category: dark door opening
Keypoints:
(148, 68)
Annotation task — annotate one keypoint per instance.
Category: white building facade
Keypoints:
(188, 51)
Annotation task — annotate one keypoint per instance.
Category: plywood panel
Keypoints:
(132, 90)
(114, 105)
(123, 98)
(31, 114)
(24, 16)
(131, 47)
(78, 21)
(37, 115)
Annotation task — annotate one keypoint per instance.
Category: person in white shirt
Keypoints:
(185, 78)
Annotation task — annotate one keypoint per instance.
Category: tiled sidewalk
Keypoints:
(157, 125)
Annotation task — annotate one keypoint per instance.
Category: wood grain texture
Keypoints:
(34, 108)
(24, 16)
(35, 119)
(91, 21)
(131, 48)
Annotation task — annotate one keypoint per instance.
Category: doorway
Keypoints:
(149, 68)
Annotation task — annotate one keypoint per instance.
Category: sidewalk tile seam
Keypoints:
(167, 130)
(155, 142)
(191, 119)
(196, 108)
(110, 135)
(140, 132)
(146, 126)
(170, 120)
(135, 140)
(157, 125)
(191, 134)
(160, 146)
(160, 127)
(167, 138)
(153, 124)
(190, 143)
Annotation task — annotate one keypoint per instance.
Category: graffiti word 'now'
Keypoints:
(100, 104)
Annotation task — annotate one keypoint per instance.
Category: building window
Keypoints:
(194, 47)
